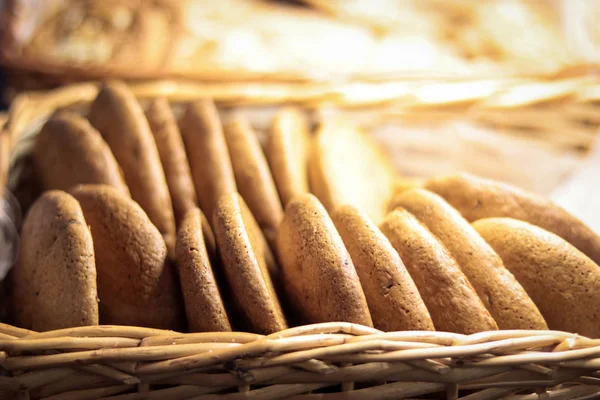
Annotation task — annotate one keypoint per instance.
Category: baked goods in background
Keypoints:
(433, 271)
(54, 282)
(268, 40)
(562, 281)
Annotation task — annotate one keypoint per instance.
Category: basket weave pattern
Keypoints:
(323, 361)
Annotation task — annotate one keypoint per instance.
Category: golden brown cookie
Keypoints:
(120, 119)
(207, 152)
(253, 178)
(68, 151)
(249, 265)
(347, 167)
(173, 157)
(478, 198)
(54, 279)
(287, 149)
(501, 293)
(394, 301)
(136, 284)
(320, 281)
(203, 303)
(451, 300)
(563, 282)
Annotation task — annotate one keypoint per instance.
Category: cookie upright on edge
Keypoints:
(173, 157)
(136, 284)
(561, 280)
(54, 279)
(287, 149)
(394, 300)
(207, 152)
(120, 119)
(501, 293)
(478, 198)
(68, 151)
(250, 267)
(318, 275)
(203, 304)
(451, 300)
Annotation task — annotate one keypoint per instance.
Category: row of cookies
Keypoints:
(423, 268)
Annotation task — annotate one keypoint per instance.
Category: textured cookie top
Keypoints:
(318, 274)
(563, 282)
(54, 280)
(501, 293)
(388, 287)
(135, 282)
(249, 265)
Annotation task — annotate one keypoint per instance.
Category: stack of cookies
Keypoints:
(194, 225)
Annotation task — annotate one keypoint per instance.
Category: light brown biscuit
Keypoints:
(68, 151)
(253, 178)
(173, 157)
(501, 293)
(318, 274)
(347, 167)
(249, 265)
(136, 284)
(478, 198)
(203, 304)
(287, 150)
(207, 152)
(394, 301)
(451, 300)
(54, 279)
(563, 282)
(120, 119)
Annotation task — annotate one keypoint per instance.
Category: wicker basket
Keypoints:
(323, 361)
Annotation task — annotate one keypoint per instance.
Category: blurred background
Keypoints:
(506, 89)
